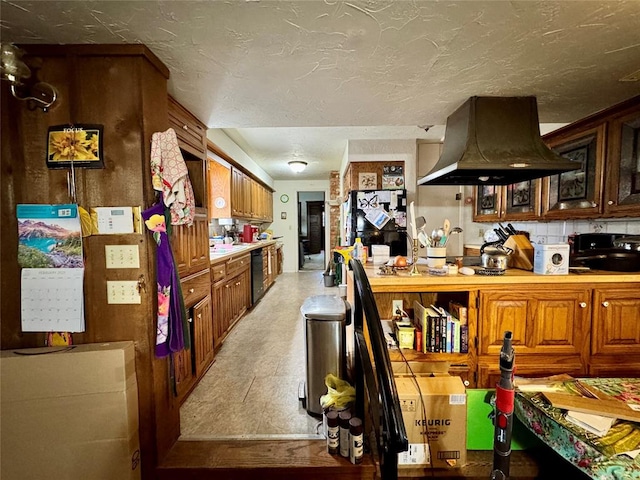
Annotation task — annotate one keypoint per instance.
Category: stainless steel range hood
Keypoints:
(495, 141)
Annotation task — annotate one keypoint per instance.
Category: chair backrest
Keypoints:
(376, 377)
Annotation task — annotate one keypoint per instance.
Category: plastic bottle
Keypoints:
(343, 421)
(333, 432)
(356, 440)
(357, 250)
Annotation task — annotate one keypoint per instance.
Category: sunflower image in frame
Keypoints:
(77, 144)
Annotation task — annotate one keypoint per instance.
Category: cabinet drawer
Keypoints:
(195, 287)
(236, 265)
(218, 272)
(190, 131)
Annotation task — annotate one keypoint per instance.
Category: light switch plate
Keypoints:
(123, 292)
(122, 256)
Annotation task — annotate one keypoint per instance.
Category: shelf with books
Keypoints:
(446, 322)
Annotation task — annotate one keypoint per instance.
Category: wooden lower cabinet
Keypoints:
(231, 294)
(615, 340)
(550, 330)
(183, 373)
(579, 328)
(202, 339)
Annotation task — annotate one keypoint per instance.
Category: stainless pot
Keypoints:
(495, 257)
(628, 243)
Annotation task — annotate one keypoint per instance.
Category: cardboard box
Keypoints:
(70, 413)
(444, 417)
(551, 259)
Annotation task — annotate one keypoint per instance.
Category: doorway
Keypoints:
(311, 230)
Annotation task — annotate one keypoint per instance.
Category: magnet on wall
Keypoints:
(283, 215)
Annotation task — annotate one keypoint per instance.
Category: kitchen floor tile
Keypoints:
(251, 390)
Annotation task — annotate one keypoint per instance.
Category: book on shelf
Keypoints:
(429, 321)
(460, 312)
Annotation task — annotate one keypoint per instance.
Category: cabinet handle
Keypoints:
(605, 304)
(610, 202)
(199, 316)
(594, 204)
(583, 304)
(227, 286)
(237, 283)
(191, 290)
(185, 127)
(221, 271)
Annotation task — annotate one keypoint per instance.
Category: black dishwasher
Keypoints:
(257, 278)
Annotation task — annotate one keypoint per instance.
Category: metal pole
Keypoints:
(503, 420)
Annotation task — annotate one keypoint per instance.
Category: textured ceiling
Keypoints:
(280, 76)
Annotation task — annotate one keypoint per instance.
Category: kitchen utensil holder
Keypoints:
(414, 259)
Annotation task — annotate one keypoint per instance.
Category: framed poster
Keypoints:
(392, 177)
(80, 145)
(367, 181)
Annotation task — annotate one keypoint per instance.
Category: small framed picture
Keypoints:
(80, 145)
(283, 215)
(367, 181)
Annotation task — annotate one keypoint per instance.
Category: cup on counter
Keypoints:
(436, 257)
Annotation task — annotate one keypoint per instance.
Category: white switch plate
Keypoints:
(123, 292)
(122, 256)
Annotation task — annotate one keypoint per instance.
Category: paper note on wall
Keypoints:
(52, 300)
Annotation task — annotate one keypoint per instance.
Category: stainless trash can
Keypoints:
(325, 318)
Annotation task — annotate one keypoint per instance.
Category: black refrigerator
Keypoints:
(378, 217)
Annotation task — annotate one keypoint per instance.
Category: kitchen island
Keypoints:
(583, 324)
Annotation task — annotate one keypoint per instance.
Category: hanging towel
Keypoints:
(171, 177)
(171, 336)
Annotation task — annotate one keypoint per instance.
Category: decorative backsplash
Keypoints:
(558, 231)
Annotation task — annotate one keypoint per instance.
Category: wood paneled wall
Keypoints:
(123, 88)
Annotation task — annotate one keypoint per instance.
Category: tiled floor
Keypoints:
(251, 390)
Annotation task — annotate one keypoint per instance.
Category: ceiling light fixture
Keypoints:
(15, 71)
(297, 165)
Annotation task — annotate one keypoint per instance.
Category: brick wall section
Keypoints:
(334, 211)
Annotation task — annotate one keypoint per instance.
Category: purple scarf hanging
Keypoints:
(169, 330)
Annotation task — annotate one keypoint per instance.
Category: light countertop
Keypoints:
(512, 276)
(225, 252)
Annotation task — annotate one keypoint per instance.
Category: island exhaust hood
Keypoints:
(495, 141)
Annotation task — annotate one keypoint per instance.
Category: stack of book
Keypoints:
(443, 330)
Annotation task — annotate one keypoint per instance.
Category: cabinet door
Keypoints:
(623, 187)
(183, 370)
(202, 335)
(487, 204)
(237, 196)
(199, 242)
(521, 201)
(577, 193)
(180, 240)
(190, 245)
(616, 322)
(550, 322)
(219, 292)
(246, 195)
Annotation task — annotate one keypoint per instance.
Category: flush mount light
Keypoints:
(297, 165)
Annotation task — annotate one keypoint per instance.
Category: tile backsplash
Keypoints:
(558, 231)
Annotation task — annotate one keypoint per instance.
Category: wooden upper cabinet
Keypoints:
(219, 183)
(518, 201)
(237, 195)
(608, 182)
(190, 245)
(623, 185)
(191, 132)
(577, 194)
